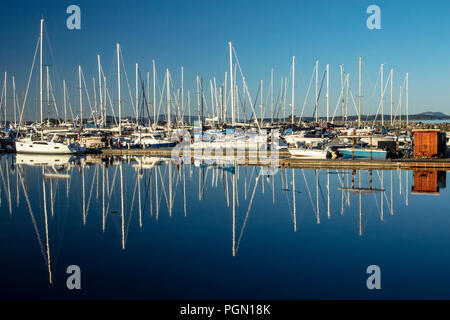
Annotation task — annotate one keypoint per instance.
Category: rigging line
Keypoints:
(318, 97)
(307, 95)
(113, 183)
(248, 212)
(29, 80)
(309, 192)
(86, 91)
(33, 220)
(163, 186)
(379, 105)
(90, 192)
(246, 88)
(128, 83)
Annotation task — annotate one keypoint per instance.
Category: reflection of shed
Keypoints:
(429, 143)
(428, 181)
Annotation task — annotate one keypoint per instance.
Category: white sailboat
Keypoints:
(54, 144)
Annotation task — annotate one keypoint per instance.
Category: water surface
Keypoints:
(155, 228)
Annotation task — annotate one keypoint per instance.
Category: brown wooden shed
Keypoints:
(429, 143)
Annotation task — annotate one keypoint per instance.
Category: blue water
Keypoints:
(189, 248)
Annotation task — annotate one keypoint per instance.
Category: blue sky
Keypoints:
(266, 34)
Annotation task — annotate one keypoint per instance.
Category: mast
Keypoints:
(118, 88)
(261, 104)
(271, 97)
(182, 93)
(81, 97)
(392, 93)
(154, 92)
(285, 98)
(40, 68)
(342, 90)
(148, 97)
(168, 98)
(4, 118)
(14, 101)
(48, 94)
(293, 93)
(407, 102)
(347, 81)
(137, 94)
(231, 82)
(99, 87)
(328, 91)
(382, 93)
(317, 91)
(359, 93)
(64, 101)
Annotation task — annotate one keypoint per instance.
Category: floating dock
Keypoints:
(284, 159)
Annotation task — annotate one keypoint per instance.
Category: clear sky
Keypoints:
(414, 38)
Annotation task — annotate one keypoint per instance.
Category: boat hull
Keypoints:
(47, 148)
(348, 153)
(308, 154)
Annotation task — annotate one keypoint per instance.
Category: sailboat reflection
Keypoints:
(140, 191)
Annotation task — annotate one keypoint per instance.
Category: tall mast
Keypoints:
(148, 97)
(347, 81)
(359, 93)
(342, 90)
(231, 82)
(328, 91)
(261, 104)
(118, 88)
(293, 91)
(137, 94)
(400, 106)
(182, 93)
(271, 96)
(81, 97)
(4, 110)
(198, 98)
(168, 98)
(285, 98)
(317, 91)
(64, 101)
(407, 102)
(154, 92)
(47, 80)
(14, 101)
(40, 67)
(99, 87)
(392, 93)
(382, 93)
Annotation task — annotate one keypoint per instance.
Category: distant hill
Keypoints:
(431, 115)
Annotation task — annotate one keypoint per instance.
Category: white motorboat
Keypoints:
(55, 144)
(312, 152)
(303, 137)
(151, 140)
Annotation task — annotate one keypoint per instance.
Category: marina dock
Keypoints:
(252, 158)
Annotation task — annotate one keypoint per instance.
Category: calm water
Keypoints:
(156, 229)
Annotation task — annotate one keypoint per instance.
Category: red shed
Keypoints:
(429, 143)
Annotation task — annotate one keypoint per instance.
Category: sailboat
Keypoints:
(53, 144)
